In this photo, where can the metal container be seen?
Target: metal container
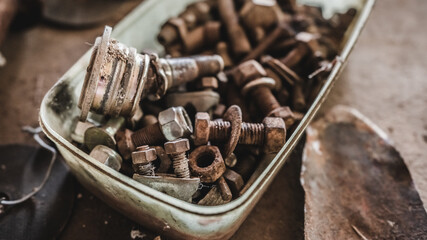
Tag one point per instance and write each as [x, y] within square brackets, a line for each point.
[158, 211]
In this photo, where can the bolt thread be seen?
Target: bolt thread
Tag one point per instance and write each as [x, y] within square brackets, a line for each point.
[150, 135]
[251, 133]
[146, 169]
[219, 130]
[180, 165]
[265, 99]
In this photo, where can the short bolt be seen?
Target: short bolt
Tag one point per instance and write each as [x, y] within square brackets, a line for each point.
[103, 135]
[142, 160]
[177, 149]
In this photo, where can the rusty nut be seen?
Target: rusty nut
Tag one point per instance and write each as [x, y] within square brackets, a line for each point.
[275, 134]
[206, 162]
[144, 155]
[201, 128]
[247, 71]
[177, 146]
[175, 123]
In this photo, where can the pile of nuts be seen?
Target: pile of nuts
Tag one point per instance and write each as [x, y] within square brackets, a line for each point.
[193, 127]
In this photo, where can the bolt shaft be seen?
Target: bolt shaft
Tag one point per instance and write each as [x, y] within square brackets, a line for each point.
[180, 165]
[146, 169]
[251, 133]
[265, 99]
[150, 135]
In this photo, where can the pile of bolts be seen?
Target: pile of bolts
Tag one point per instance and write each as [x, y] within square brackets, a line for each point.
[237, 76]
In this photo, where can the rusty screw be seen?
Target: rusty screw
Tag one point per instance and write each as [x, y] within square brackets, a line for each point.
[173, 123]
[142, 160]
[271, 133]
[250, 75]
[176, 149]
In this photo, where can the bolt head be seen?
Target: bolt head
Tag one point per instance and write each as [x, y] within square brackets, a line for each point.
[79, 131]
[248, 71]
[260, 13]
[201, 128]
[284, 113]
[107, 156]
[275, 134]
[175, 123]
[143, 155]
[177, 146]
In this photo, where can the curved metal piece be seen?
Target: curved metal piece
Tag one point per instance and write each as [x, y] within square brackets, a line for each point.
[234, 116]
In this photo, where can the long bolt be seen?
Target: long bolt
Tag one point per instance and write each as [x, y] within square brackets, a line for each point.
[177, 149]
[251, 133]
[264, 99]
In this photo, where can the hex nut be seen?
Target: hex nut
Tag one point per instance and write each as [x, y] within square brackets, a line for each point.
[234, 180]
[175, 123]
[143, 155]
[107, 156]
[201, 128]
[247, 71]
[206, 162]
[275, 134]
[177, 146]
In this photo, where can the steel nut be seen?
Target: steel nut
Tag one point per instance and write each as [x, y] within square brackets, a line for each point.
[247, 71]
[201, 128]
[175, 123]
[275, 134]
[107, 156]
[206, 162]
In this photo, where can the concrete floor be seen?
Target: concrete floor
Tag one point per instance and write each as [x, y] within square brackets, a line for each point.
[384, 79]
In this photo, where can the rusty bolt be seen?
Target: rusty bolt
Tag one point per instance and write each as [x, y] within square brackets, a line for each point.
[142, 160]
[271, 134]
[238, 39]
[103, 135]
[79, 130]
[207, 163]
[176, 149]
[307, 43]
[260, 13]
[173, 123]
[251, 75]
[196, 14]
[202, 37]
[224, 189]
[107, 156]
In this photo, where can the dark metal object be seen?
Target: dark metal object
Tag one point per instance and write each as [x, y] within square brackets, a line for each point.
[177, 149]
[207, 163]
[355, 181]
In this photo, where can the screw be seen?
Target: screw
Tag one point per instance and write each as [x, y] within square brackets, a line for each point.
[271, 133]
[176, 149]
[118, 77]
[251, 75]
[142, 160]
[103, 135]
[173, 123]
[107, 156]
[238, 39]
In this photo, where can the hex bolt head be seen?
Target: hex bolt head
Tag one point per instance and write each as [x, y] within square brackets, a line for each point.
[201, 128]
[247, 71]
[176, 149]
[274, 134]
[107, 156]
[175, 123]
[103, 135]
[79, 131]
[144, 155]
